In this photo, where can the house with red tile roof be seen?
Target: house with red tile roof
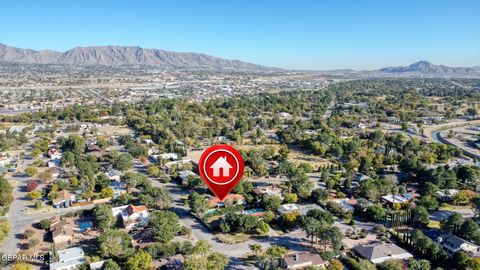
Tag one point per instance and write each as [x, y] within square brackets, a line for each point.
[231, 199]
[132, 216]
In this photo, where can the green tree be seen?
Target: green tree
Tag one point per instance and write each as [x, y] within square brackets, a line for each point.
[420, 216]
[217, 261]
[4, 229]
[202, 247]
[272, 256]
[271, 202]
[34, 195]
[44, 224]
[419, 265]
[140, 260]
[429, 202]
[165, 224]
[157, 197]
[106, 192]
[123, 162]
[453, 222]
[114, 244]
[74, 144]
[290, 198]
[470, 230]
[335, 264]
[198, 203]
[460, 260]
[263, 226]
[375, 212]
[110, 264]
[103, 217]
[133, 179]
[255, 248]
[30, 171]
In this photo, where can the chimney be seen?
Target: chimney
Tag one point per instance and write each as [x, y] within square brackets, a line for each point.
[296, 257]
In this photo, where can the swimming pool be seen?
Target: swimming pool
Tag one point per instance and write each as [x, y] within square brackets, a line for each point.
[253, 211]
[85, 225]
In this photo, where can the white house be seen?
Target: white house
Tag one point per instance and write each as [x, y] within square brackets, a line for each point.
[4, 160]
[70, 258]
[398, 198]
[132, 216]
[96, 265]
[221, 164]
[165, 156]
[114, 175]
[287, 208]
[447, 195]
[54, 154]
[118, 188]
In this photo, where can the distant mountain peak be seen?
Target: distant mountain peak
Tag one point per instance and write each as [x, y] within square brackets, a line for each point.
[421, 64]
[426, 69]
[126, 56]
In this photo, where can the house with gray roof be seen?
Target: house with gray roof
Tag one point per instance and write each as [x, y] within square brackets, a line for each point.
[378, 252]
[451, 243]
[70, 258]
[301, 260]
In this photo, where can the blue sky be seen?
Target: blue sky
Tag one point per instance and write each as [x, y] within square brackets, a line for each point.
[297, 34]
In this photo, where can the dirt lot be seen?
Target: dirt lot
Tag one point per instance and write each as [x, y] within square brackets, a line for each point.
[114, 130]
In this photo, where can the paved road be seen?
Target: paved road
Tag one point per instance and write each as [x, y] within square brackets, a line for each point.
[291, 240]
[17, 216]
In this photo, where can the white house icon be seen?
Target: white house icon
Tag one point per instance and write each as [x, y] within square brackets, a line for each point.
[221, 163]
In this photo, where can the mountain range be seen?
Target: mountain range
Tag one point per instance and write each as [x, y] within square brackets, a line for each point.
[136, 56]
[424, 68]
[125, 56]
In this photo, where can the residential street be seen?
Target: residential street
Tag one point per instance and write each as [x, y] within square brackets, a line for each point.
[17, 215]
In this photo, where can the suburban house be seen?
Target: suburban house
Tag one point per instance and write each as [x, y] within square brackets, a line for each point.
[346, 204]
[118, 188]
[287, 208]
[132, 216]
[70, 258]
[398, 198]
[153, 150]
[267, 190]
[378, 252]
[5, 160]
[303, 209]
[359, 178]
[301, 260]
[451, 243]
[96, 265]
[62, 230]
[447, 195]
[177, 163]
[166, 156]
[175, 262]
[64, 199]
[94, 150]
[114, 175]
[54, 154]
[54, 163]
[185, 175]
[231, 199]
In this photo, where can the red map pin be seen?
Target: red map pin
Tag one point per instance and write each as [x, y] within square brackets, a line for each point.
[221, 168]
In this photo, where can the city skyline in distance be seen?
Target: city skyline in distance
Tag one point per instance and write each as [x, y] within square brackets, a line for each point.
[305, 36]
